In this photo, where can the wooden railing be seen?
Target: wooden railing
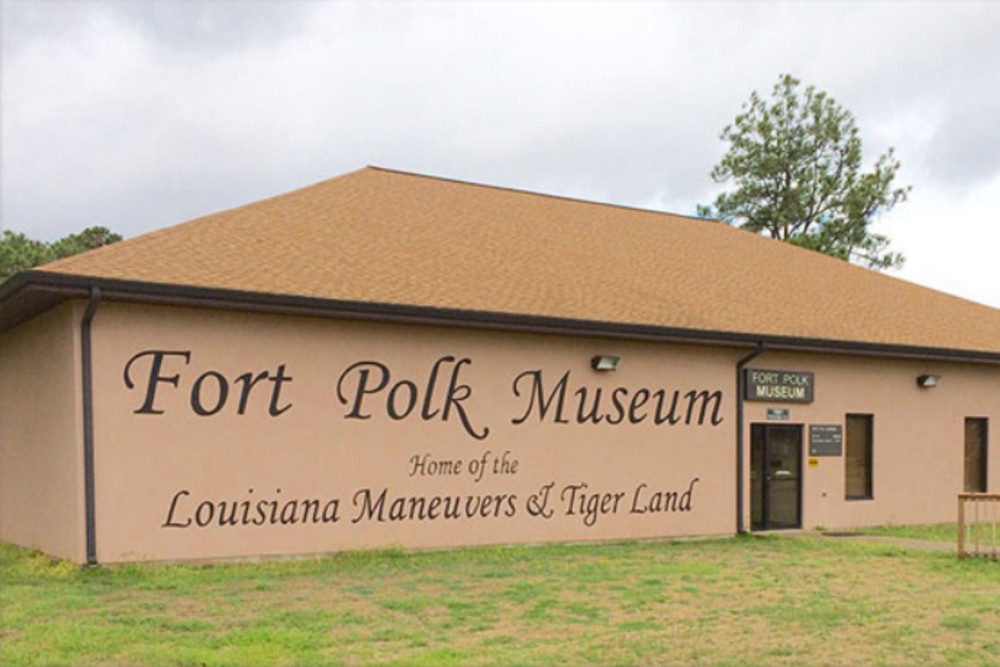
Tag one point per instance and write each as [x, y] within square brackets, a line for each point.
[979, 525]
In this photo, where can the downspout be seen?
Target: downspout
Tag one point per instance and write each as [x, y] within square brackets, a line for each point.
[87, 369]
[740, 391]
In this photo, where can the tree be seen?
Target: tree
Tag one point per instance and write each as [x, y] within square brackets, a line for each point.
[89, 239]
[18, 252]
[796, 163]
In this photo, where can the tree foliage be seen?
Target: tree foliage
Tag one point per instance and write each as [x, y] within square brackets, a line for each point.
[795, 161]
[18, 252]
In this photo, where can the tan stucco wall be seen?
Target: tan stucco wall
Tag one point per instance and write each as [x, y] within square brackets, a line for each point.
[159, 463]
[313, 451]
[41, 483]
[918, 435]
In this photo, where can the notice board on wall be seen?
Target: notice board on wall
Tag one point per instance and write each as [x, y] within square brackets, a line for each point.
[826, 440]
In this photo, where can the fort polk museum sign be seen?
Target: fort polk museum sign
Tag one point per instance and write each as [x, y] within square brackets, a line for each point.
[448, 447]
[779, 386]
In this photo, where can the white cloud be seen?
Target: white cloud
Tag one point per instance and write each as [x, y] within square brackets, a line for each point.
[950, 240]
[137, 115]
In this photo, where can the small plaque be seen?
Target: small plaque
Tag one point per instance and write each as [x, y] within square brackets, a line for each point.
[777, 414]
[826, 440]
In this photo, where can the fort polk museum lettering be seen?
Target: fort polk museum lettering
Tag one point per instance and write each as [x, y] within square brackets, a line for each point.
[370, 391]
[779, 386]
[367, 387]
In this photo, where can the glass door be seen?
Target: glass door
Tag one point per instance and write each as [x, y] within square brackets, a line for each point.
[775, 476]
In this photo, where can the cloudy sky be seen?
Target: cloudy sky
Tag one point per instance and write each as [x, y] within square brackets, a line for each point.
[143, 113]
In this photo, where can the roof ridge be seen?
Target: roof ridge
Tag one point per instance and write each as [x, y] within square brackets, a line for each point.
[544, 195]
[172, 228]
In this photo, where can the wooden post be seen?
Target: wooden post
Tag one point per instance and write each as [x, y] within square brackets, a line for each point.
[993, 518]
[977, 527]
[961, 526]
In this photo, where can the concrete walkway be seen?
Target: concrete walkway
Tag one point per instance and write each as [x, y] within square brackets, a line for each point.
[860, 536]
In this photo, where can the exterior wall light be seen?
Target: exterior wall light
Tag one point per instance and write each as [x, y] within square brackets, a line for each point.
[604, 362]
[928, 381]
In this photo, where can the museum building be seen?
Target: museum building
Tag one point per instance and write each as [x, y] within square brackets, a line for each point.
[389, 359]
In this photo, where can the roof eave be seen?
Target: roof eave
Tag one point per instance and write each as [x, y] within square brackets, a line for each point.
[29, 293]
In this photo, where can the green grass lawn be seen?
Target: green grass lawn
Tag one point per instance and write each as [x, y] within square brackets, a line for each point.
[743, 601]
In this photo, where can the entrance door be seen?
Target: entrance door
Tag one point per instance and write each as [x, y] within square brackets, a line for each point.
[775, 476]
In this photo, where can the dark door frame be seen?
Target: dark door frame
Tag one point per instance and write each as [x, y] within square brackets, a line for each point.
[759, 435]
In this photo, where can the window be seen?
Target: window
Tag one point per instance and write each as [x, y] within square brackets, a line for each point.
[975, 455]
[858, 457]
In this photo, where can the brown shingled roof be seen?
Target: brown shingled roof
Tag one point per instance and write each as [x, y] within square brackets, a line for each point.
[388, 237]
